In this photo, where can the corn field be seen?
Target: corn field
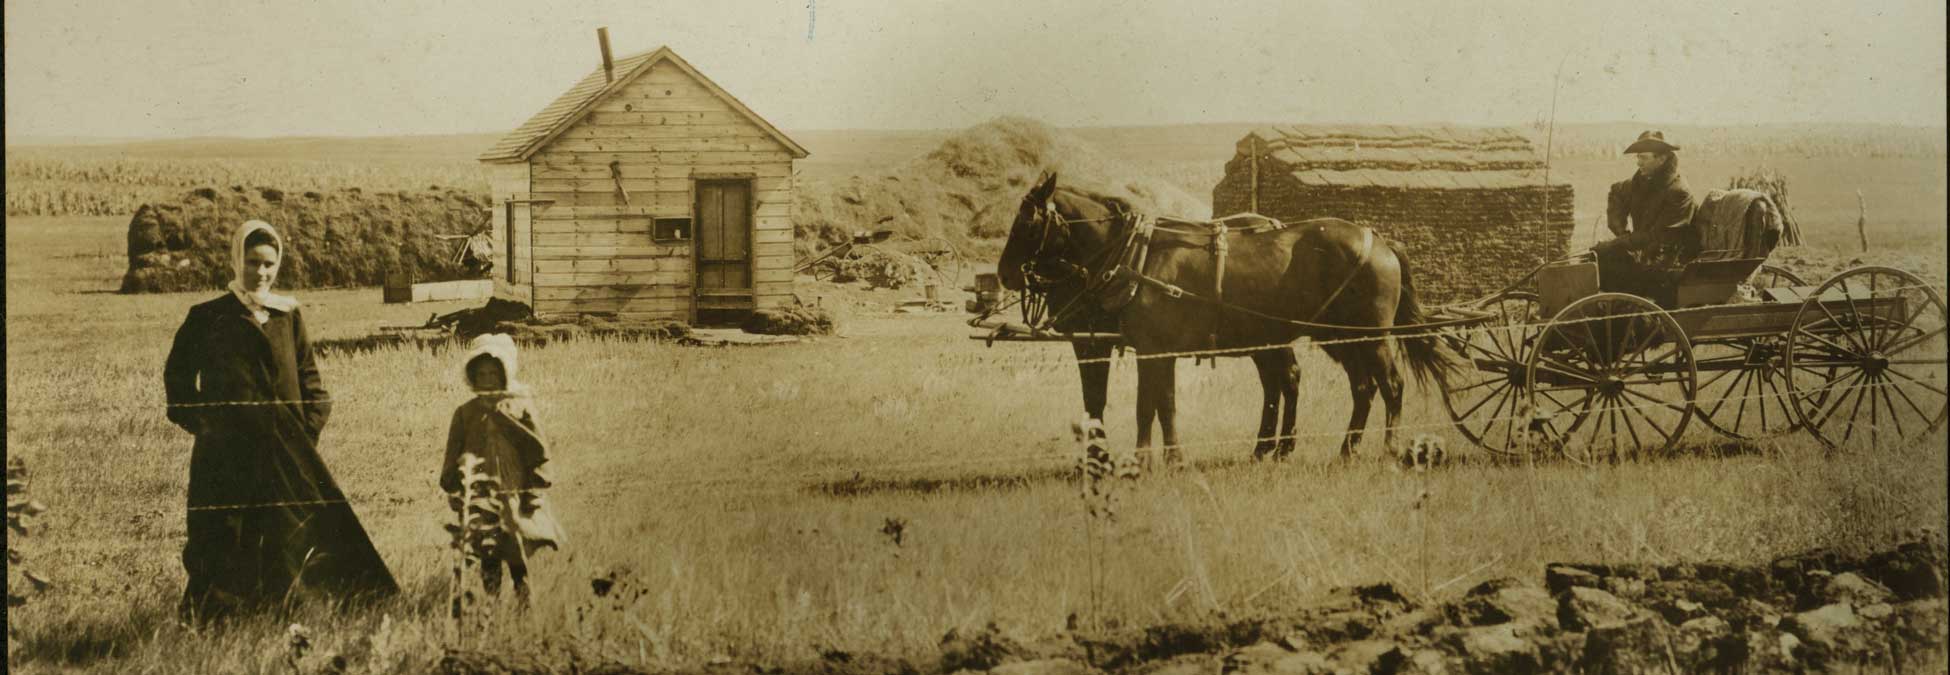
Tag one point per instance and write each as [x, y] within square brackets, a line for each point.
[48, 185]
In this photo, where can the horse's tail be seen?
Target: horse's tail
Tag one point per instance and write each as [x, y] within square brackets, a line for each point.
[1427, 356]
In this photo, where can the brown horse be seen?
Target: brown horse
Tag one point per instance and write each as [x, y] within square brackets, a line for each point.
[1324, 279]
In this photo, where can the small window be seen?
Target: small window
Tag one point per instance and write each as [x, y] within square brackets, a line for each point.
[672, 228]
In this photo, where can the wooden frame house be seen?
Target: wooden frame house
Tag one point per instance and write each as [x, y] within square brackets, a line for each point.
[647, 192]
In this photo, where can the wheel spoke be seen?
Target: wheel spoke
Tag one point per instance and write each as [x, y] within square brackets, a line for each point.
[1480, 385]
[1910, 321]
[1839, 350]
[1894, 415]
[1849, 431]
[1921, 383]
[1912, 402]
[1773, 395]
[1628, 344]
[1838, 322]
[1839, 400]
[1655, 426]
[1493, 356]
[1662, 359]
[1875, 320]
[1510, 400]
[1486, 399]
[1649, 397]
[1898, 349]
[1741, 416]
[1559, 367]
[1632, 429]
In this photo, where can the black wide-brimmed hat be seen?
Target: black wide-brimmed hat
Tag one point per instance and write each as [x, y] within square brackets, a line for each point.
[1651, 141]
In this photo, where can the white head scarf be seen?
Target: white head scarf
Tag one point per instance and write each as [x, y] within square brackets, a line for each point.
[499, 347]
[258, 302]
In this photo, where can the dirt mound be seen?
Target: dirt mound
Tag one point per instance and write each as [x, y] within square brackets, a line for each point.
[510, 318]
[790, 321]
[968, 187]
[1819, 611]
[332, 239]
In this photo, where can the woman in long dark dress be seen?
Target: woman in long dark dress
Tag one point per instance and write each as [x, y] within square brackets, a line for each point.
[266, 521]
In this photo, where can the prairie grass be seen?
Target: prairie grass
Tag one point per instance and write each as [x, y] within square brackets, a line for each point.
[739, 497]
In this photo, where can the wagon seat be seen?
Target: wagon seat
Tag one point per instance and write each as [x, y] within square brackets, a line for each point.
[1737, 230]
[1704, 262]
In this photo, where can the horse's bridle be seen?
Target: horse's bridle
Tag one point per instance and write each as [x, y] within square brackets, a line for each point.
[1047, 219]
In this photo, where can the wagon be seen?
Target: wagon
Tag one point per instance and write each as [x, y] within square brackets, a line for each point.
[1747, 349]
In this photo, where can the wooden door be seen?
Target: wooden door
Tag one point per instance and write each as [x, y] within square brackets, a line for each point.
[724, 244]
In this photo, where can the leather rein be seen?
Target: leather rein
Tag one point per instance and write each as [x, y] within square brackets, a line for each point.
[1112, 278]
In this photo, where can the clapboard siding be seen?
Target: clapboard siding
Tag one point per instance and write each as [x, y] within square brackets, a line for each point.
[583, 167]
[642, 289]
[653, 137]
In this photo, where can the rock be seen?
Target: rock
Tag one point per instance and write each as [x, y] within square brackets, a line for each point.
[1851, 588]
[1705, 627]
[1042, 667]
[1911, 572]
[1677, 611]
[1583, 609]
[1561, 578]
[1189, 664]
[981, 649]
[1497, 649]
[1369, 656]
[1708, 644]
[1831, 633]
[1625, 587]
[1876, 612]
[1496, 602]
[1268, 657]
[1635, 646]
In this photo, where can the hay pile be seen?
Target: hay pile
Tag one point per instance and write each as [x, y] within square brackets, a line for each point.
[333, 239]
[969, 186]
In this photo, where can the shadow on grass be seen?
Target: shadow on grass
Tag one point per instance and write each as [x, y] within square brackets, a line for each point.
[861, 485]
[993, 481]
[76, 639]
[81, 636]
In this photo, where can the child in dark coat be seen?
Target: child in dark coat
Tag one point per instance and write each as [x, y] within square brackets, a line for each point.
[498, 428]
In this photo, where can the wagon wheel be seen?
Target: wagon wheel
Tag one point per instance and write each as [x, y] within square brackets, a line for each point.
[1485, 397]
[1865, 360]
[1771, 276]
[946, 261]
[1743, 394]
[1612, 373]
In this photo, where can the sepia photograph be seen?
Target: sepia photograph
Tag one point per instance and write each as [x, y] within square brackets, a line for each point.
[847, 337]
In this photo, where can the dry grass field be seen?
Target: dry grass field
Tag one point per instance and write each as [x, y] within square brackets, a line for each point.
[744, 496]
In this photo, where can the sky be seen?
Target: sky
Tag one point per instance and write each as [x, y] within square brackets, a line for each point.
[184, 68]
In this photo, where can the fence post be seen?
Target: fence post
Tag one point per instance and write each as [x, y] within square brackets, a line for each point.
[1862, 220]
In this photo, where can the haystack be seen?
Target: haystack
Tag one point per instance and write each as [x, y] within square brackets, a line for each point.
[333, 239]
[969, 186]
[1469, 205]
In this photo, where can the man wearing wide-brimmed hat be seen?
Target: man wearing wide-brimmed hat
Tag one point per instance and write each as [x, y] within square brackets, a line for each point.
[1649, 215]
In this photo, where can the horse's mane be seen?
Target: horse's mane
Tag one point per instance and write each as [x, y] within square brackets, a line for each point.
[1117, 205]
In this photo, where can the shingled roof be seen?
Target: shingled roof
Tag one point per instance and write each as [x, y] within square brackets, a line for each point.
[573, 105]
[1411, 157]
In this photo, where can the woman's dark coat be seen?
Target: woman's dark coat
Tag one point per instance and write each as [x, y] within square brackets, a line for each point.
[266, 519]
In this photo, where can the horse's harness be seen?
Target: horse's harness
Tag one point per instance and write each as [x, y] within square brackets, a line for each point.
[1121, 268]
